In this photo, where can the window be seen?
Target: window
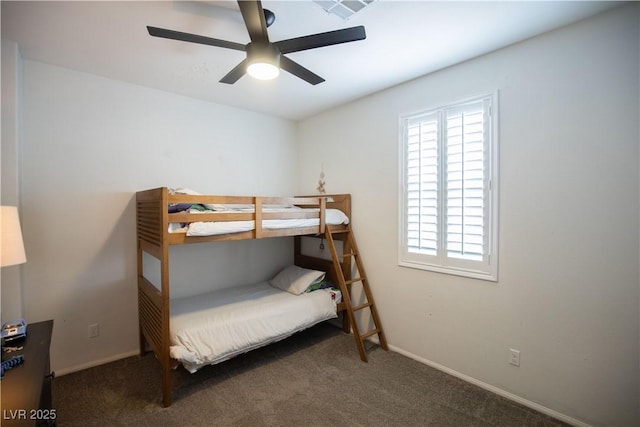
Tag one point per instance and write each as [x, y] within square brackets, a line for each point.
[448, 207]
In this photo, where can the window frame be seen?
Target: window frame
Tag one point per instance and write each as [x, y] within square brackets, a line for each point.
[441, 262]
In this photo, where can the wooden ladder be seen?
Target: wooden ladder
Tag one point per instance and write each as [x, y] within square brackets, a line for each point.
[342, 267]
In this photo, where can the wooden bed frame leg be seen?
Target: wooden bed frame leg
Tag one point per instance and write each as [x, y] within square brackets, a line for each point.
[166, 385]
[142, 345]
[346, 326]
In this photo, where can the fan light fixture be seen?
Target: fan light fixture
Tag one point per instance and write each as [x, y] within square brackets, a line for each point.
[265, 58]
[263, 61]
[263, 71]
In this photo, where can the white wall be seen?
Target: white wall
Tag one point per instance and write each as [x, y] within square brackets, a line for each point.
[568, 288]
[89, 144]
[11, 277]
[568, 294]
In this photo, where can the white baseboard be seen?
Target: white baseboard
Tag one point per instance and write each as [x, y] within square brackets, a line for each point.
[93, 363]
[540, 408]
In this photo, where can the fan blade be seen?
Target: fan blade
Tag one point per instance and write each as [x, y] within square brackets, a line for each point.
[235, 74]
[299, 71]
[193, 38]
[253, 16]
[321, 39]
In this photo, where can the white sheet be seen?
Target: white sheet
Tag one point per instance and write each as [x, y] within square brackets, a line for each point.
[332, 217]
[210, 328]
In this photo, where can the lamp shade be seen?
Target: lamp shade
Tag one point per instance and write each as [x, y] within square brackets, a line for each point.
[12, 250]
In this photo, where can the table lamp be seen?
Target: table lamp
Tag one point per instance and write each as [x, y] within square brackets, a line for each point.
[12, 249]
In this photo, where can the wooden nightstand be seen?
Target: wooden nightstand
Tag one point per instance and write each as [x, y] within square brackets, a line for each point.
[26, 388]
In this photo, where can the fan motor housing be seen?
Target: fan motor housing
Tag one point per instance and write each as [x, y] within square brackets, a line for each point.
[260, 52]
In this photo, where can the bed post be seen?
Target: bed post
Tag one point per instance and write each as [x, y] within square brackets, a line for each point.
[165, 359]
[343, 202]
[153, 303]
[140, 275]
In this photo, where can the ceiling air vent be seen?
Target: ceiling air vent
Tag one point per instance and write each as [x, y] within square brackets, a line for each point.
[345, 9]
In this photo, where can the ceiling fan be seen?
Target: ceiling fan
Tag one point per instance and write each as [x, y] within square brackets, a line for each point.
[264, 58]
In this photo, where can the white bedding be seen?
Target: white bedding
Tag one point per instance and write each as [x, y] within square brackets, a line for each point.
[207, 329]
[332, 217]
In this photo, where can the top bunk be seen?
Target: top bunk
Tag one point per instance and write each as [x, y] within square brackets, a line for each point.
[172, 217]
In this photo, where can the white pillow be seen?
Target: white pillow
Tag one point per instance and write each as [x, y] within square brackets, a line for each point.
[296, 280]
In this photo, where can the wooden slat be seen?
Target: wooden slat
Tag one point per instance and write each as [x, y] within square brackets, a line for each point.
[209, 200]
[149, 218]
[151, 249]
[150, 313]
[182, 238]
[310, 201]
[224, 216]
[290, 232]
[291, 215]
[211, 216]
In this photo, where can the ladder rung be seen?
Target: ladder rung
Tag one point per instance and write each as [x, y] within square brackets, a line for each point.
[358, 279]
[346, 256]
[361, 306]
[338, 230]
[370, 333]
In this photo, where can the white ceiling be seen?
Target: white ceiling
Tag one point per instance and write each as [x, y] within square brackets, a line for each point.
[405, 40]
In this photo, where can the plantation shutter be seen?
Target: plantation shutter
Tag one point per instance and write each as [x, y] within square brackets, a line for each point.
[422, 184]
[465, 199]
[449, 203]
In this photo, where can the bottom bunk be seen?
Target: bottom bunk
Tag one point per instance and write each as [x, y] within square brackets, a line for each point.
[216, 326]
[210, 328]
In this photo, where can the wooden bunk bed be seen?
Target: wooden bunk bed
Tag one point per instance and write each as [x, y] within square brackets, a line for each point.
[154, 221]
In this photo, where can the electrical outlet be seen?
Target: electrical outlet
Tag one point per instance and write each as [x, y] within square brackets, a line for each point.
[514, 357]
[93, 330]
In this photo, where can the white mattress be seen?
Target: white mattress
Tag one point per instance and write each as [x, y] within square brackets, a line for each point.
[210, 328]
[332, 217]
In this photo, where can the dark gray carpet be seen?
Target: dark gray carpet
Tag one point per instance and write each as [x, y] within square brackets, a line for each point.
[314, 378]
